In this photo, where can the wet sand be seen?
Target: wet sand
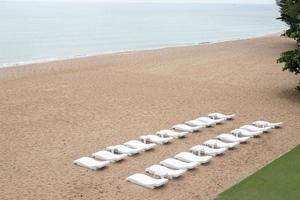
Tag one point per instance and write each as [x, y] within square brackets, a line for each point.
[54, 113]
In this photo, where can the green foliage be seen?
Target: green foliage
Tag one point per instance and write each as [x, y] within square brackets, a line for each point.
[290, 14]
[289, 11]
[294, 33]
[286, 7]
[291, 60]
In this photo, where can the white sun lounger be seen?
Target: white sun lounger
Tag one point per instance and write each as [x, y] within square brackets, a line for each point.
[196, 123]
[165, 172]
[135, 144]
[208, 123]
[210, 120]
[221, 116]
[214, 143]
[177, 164]
[109, 156]
[244, 133]
[156, 139]
[90, 163]
[146, 181]
[186, 128]
[171, 133]
[124, 150]
[201, 149]
[263, 124]
[255, 128]
[226, 137]
[190, 157]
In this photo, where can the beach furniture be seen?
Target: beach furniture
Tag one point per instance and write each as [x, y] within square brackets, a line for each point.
[146, 181]
[165, 172]
[210, 120]
[202, 149]
[255, 128]
[90, 163]
[244, 133]
[214, 143]
[186, 128]
[196, 123]
[124, 150]
[177, 164]
[156, 139]
[190, 157]
[221, 116]
[263, 124]
[135, 144]
[109, 156]
[226, 137]
[171, 133]
[207, 123]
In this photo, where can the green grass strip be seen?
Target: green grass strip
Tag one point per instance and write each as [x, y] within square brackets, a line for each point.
[279, 180]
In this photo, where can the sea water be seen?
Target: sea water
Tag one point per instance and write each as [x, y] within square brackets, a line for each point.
[35, 31]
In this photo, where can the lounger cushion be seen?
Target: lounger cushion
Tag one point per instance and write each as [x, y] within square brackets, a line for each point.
[207, 150]
[196, 123]
[262, 124]
[209, 120]
[171, 133]
[190, 157]
[231, 138]
[146, 181]
[165, 172]
[254, 128]
[156, 139]
[221, 116]
[184, 127]
[90, 163]
[177, 164]
[109, 156]
[244, 133]
[124, 150]
[139, 145]
[214, 143]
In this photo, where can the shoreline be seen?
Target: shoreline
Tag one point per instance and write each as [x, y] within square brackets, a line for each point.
[54, 59]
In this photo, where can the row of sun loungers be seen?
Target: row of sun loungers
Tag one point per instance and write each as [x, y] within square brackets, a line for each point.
[174, 167]
[119, 152]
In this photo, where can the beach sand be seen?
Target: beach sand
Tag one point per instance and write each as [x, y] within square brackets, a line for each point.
[54, 113]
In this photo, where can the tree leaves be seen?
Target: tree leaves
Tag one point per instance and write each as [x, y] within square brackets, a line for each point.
[290, 14]
[291, 60]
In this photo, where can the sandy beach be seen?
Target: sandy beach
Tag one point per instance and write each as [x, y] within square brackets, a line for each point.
[54, 113]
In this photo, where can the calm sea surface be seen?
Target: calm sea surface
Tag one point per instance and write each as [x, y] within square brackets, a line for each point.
[32, 31]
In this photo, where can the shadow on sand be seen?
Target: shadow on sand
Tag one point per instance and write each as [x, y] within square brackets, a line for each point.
[290, 94]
